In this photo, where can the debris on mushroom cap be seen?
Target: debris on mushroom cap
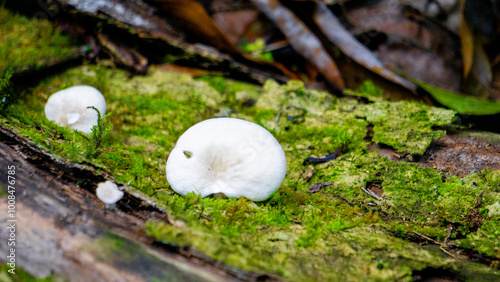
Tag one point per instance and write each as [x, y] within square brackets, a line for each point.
[227, 155]
[108, 193]
[69, 107]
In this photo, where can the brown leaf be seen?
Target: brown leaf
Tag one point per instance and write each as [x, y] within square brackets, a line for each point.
[190, 16]
[316, 187]
[234, 24]
[467, 40]
[404, 38]
[340, 37]
[302, 40]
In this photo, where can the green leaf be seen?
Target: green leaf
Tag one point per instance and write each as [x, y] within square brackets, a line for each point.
[461, 103]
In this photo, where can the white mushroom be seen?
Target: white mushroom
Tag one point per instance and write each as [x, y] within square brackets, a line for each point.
[108, 193]
[69, 107]
[227, 155]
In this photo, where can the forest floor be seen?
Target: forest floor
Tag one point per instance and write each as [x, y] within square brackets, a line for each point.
[412, 195]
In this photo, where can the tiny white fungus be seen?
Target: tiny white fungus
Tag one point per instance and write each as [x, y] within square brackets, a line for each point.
[229, 156]
[69, 107]
[108, 193]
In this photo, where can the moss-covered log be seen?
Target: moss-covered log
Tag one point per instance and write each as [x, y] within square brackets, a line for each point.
[378, 220]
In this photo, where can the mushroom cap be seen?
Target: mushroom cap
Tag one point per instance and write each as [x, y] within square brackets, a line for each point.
[227, 155]
[108, 192]
[68, 107]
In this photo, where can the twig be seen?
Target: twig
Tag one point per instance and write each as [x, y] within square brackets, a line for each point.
[442, 246]
[278, 116]
[323, 159]
[427, 238]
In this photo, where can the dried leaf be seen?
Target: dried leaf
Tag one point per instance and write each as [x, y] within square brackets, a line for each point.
[338, 35]
[467, 40]
[234, 24]
[415, 44]
[302, 40]
[194, 20]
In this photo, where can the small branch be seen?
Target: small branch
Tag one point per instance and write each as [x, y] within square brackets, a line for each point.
[324, 159]
[427, 238]
[442, 246]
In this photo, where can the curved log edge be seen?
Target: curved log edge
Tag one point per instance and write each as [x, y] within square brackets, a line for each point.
[63, 228]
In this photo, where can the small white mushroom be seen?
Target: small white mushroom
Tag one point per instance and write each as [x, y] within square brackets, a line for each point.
[69, 107]
[108, 193]
[229, 156]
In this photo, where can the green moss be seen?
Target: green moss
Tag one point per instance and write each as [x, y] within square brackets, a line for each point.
[485, 240]
[21, 275]
[406, 126]
[25, 40]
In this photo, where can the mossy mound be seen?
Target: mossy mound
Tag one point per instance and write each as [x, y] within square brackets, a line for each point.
[25, 41]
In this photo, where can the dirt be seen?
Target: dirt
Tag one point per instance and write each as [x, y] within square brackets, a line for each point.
[460, 156]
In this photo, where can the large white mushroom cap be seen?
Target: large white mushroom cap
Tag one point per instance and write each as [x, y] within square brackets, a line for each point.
[108, 193]
[69, 107]
[227, 155]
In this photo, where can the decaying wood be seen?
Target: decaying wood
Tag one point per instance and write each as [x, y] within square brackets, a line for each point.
[138, 21]
[61, 226]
